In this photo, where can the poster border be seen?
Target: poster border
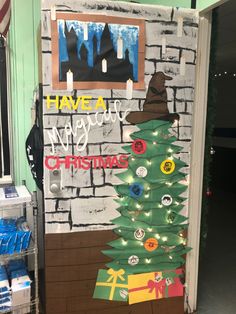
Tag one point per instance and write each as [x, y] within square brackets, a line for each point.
[57, 85]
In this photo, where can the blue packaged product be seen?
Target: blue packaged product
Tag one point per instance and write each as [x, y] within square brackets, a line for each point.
[18, 273]
[5, 308]
[8, 242]
[26, 240]
[15, 235]
[5, 300]
[7, 225]
[4, 295]
[14, 265]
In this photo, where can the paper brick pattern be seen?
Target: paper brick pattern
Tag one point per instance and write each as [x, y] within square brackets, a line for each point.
[86, 201]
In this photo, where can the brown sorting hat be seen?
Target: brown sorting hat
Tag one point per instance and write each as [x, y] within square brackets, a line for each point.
[155, 105]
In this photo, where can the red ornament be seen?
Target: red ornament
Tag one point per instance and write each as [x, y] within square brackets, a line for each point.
[209, 192]
[139, 146]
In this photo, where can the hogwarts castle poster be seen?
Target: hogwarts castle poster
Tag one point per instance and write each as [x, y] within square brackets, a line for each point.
[100, 51]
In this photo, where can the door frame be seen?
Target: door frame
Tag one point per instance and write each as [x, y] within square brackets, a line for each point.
[197, 159]
[197, 154]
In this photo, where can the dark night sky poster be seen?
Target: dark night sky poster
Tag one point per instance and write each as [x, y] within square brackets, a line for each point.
[84, 57]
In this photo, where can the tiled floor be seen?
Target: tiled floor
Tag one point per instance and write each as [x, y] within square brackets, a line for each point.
[217, 280]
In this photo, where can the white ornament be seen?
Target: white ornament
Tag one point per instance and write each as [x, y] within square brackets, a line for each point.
[141, 172]
[168, 282]
[166, 200]
[139, 234]
[123, 293]
[133, 260]
[158, 277]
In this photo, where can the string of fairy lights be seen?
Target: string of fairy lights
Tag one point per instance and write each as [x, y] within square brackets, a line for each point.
[225, 74]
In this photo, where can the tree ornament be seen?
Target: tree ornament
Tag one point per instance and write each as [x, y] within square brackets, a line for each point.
[139, 146]
[136, 190]
[139, 234]
[141, 172]
[151, 244]
[133, 260]
[166, 200]
[171, 217]
[167, 166]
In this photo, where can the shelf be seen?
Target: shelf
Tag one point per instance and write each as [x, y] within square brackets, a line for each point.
[7, 257]
[24, 197]
[32, 305]
[22, 202]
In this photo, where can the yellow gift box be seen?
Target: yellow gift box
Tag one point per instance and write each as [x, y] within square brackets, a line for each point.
[146, 287]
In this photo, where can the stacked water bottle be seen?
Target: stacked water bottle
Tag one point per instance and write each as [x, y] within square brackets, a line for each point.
[15, 235]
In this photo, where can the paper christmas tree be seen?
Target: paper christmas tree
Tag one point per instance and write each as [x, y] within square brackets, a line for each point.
[150, 226]
[151, 230]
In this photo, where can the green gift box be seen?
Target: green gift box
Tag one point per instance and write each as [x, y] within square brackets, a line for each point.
[111, 285]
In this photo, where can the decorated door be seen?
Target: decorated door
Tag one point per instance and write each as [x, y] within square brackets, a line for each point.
[118, 91]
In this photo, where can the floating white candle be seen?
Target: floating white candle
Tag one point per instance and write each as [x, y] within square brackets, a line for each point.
[69, 80]
[129, 89]
[85, 31]
[119, 48]
[53, 13]
[163, 43]
[104, 65]
[182, 65]
[180, 27]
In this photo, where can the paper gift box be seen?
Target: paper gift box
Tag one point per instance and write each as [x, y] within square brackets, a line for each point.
[176, 288]
[146, 287]
[154, 286]
[111, 285]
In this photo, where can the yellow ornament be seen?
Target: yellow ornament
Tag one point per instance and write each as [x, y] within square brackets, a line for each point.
[167, 166]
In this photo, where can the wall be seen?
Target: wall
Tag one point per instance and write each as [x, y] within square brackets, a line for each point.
[24, 78]
[203, 4]
[171, 3]
[200, 4]
[97, 185]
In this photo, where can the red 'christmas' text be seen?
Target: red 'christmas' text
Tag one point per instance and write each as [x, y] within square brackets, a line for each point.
[86, 162]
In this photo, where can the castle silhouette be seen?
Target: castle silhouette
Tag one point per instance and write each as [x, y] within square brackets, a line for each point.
[118, 70]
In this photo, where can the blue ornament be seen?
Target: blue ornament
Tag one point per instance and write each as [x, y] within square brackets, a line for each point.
[136, 190]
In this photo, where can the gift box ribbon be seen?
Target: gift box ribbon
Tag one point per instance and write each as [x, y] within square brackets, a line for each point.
[114, 276]
[151, 285]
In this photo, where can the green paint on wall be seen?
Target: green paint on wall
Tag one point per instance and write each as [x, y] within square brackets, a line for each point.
[24, 78]
[202, 4]
[170, 3]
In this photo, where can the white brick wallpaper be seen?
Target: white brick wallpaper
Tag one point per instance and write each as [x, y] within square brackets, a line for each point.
[86, 201]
